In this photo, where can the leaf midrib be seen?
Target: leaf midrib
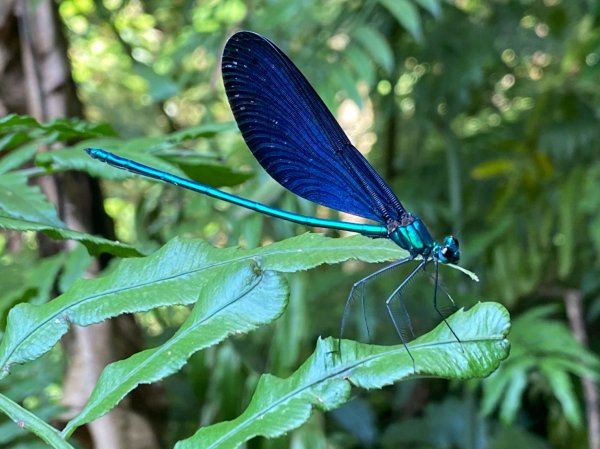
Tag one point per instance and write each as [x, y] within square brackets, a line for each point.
[339, 372]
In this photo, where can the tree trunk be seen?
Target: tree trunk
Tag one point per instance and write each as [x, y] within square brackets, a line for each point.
[35, 79]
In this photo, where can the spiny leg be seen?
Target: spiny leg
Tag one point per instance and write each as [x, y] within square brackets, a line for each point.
[447, 293]
[364, 311]
[361, 286]
[391, 314]
[435, 306]
[399, 299]
[407, 316]
[441, 285]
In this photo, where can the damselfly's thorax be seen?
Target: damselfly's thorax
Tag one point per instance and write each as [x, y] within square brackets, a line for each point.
[411, 234]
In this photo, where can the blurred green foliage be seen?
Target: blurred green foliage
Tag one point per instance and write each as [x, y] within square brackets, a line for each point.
[481, 114]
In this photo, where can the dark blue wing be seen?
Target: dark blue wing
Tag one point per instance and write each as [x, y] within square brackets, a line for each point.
[293, 135]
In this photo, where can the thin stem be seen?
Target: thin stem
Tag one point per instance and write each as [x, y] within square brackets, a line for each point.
[27, 420]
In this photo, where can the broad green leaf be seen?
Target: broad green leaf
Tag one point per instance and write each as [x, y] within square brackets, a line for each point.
[72, 128]
[161, 87]
[558, 340]
[291, 329]
[27, 280]
[176, 274]
[77, 262]
[57, 130]
[20, 200]
[325, 379]
[311, 250]
[361, 63]
[512, 397]
[433, 6]
[347, 82]
[12, 140]
[545, 347]
[375, 45]
[211, 174]
[238, 302]
[11, 121]
[496, 386]
[94, 244]
[23, 207]
[407, 14]
[17, 157]
[158, 152]
[492, 168]
[562, 386]
[41, 276]
[77, 159]
[205, 130]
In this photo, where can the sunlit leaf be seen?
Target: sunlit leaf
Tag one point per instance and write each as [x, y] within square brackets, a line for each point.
[325, 379]
[240, 299]
[492, 169]
[173, 275]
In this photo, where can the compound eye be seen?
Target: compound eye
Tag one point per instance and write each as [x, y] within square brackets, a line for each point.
[447, 253]
[451, 242]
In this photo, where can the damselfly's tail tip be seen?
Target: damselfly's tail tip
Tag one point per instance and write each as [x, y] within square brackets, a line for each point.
[96, 153]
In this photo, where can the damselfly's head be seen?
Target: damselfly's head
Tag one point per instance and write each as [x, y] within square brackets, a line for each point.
[448, 251]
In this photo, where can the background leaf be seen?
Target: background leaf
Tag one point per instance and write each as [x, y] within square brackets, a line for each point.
[407, 14]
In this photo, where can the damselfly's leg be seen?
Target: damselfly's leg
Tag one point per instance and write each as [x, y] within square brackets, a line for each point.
[364, 312]
[391, 313]
[435, 306]
[359, 287]
[407, 317]
[441, 285]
